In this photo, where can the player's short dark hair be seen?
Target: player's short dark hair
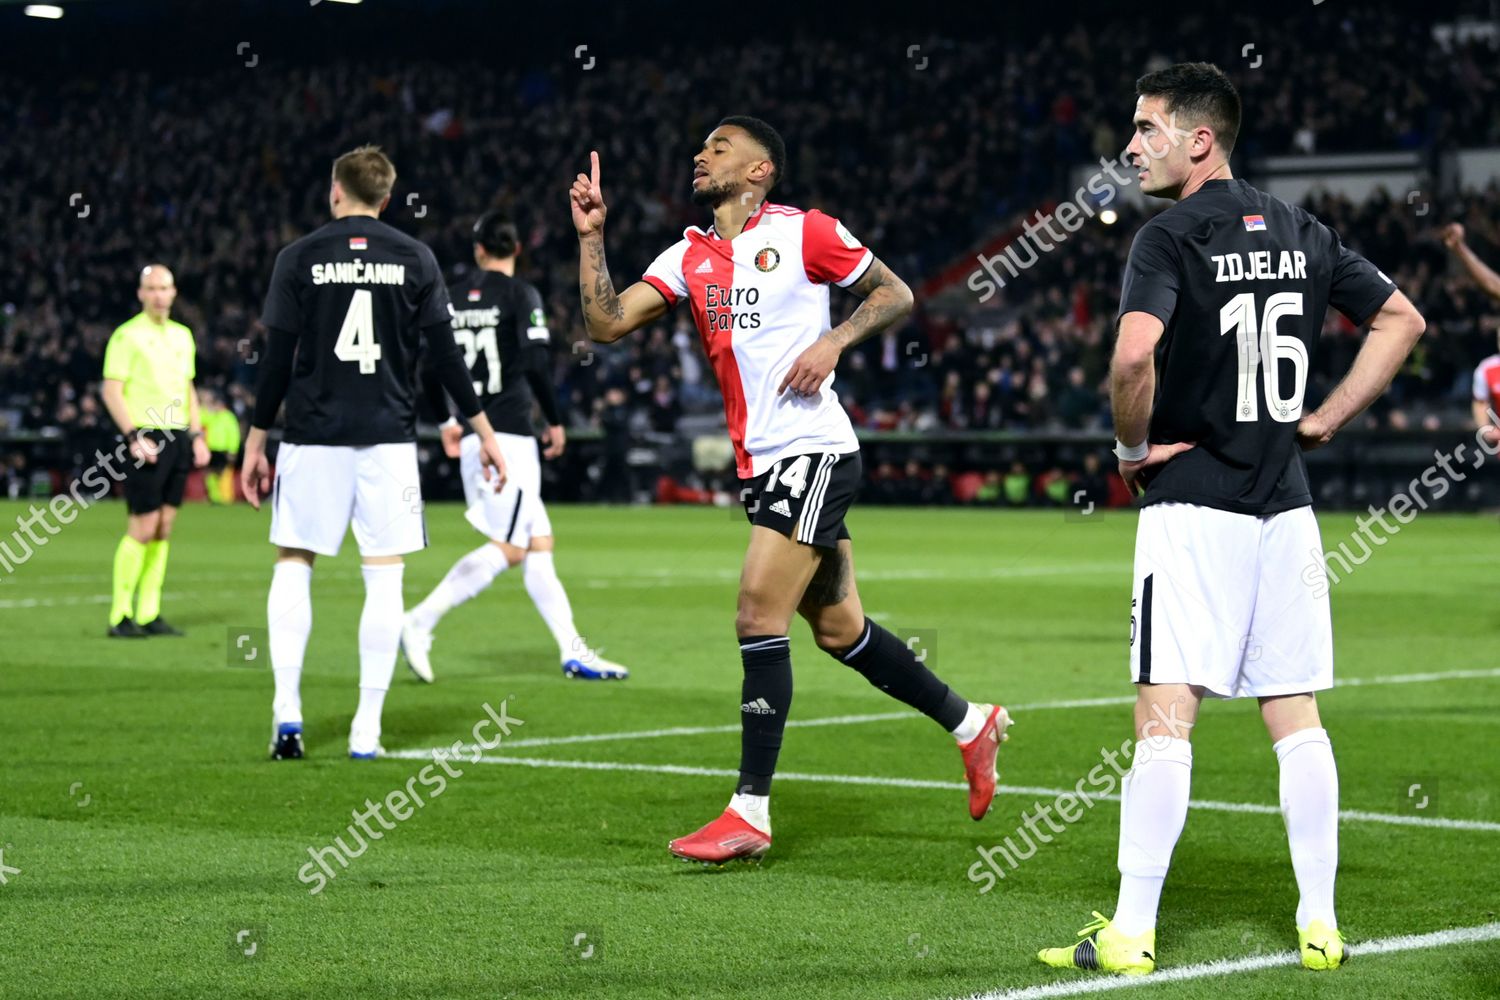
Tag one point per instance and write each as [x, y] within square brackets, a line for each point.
[1201, 93]
[366, 174]
[496, 232]
[770, 140]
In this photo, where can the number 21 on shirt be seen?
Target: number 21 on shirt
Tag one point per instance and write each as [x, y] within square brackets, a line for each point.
[1261, 347]
[357, 336]
[473, 342]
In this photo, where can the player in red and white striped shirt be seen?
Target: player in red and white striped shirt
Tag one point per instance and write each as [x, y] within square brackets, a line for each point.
[1487, 375]
[757, 284]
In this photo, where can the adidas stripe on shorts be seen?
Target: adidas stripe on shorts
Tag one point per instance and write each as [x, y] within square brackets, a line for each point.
[1235, 603]
[515, 514]
[805, 497]
[322, 489]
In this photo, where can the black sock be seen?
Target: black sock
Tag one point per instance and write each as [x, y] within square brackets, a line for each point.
[887, 663]
[767, 694]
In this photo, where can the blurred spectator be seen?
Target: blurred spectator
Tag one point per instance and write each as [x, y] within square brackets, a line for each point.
[1091, 488]
[1017, 485]
[221, 432]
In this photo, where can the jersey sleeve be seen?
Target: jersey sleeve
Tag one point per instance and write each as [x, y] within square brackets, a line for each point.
[1481, 387]
[534, 342]
[830, 253]
[531, 318]
[433, 304]
[665, 273]
[1151, 280]
[118, 355]
[192, 353]
[282, 311]
[1358, 288]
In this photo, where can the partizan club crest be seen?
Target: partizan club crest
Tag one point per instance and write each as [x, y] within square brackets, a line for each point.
[767, 259]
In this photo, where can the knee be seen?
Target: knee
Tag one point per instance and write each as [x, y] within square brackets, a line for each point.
[749, 621]
[145, 527]
[755, 618]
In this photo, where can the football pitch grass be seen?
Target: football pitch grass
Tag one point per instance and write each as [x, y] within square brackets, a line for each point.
[151, 850]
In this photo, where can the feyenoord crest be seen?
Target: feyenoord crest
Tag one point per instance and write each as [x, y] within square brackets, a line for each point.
[767, 259]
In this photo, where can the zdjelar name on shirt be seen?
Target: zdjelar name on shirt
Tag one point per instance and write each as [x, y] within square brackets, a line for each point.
[1290, 264]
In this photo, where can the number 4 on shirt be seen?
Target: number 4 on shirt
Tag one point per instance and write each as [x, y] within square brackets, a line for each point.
[357, 336]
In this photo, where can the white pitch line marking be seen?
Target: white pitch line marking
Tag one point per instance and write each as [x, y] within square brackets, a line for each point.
[654, 579]
[646, 734]
[1226, 966]
[1038, 706]
[1348, 815]
[79, 600]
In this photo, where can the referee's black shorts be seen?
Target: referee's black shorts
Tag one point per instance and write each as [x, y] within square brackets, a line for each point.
[160, 483]
[805, 497]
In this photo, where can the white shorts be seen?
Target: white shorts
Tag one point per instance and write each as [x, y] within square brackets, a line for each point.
[1220, 600]
[321, 488]
[515, 514]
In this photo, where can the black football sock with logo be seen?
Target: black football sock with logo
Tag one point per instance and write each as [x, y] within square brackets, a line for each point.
[767, 694]
[886, 662]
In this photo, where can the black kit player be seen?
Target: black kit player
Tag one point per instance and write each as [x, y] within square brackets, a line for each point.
[348, 306]
[501, 325]
[1221, 309]
[757, 284]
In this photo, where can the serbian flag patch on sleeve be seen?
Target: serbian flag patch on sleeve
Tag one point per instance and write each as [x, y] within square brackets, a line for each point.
[1254, 223]
[358, 243]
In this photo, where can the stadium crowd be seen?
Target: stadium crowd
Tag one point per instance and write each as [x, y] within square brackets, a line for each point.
[924, 155]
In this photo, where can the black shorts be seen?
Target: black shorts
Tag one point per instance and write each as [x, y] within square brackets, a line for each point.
[805, 497]
[161, 483]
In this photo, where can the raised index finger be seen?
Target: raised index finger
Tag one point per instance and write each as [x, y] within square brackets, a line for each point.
[594, 168]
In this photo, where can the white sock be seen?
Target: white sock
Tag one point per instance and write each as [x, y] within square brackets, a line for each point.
[288, 624]
[551, 600]
[1153, 808]
[1310, 806]
[972, 724]
[753, 809]
[468, 577]
[379, 636]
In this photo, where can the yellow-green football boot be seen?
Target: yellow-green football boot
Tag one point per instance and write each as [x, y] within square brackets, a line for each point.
[1105, 949]
[1321, 946]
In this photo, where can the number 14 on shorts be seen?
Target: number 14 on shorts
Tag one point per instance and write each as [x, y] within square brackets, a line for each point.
[794, 478]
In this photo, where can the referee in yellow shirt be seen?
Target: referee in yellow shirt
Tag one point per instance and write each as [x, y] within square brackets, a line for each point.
[149, 366]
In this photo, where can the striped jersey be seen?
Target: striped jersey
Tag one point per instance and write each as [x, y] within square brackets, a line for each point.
[1487, 382]
[759, 300]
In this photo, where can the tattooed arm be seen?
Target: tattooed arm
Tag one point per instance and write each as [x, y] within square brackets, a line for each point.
[607, 316]
[887, 301]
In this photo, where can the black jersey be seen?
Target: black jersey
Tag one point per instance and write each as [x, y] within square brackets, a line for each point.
[499, 323]
[355, 295]
[1242, 281]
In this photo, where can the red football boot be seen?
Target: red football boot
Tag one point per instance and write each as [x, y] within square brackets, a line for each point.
[979, 761]
[728, 838]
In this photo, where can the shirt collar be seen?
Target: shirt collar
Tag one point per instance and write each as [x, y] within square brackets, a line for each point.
[750, 223]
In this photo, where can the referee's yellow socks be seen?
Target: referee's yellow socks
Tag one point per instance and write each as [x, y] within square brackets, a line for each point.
[153, 573]
[130, 557]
